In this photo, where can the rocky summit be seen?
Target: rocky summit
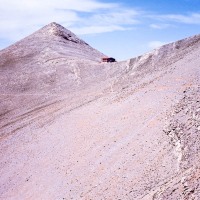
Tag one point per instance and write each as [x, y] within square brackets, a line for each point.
[72, 127]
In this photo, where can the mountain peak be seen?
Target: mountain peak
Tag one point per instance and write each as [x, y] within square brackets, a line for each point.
[54, 39]
[54, 24]
[56, 30]
[64, 114]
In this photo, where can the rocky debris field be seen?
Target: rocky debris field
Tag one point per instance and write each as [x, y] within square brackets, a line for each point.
[72, 127]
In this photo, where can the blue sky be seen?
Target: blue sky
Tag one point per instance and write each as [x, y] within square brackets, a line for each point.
[121, 29]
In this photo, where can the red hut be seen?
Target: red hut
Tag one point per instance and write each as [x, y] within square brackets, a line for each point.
[108, 60]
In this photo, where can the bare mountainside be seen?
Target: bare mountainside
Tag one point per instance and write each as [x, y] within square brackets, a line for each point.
[74, 128]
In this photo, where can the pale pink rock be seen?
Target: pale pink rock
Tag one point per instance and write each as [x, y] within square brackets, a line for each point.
[72, 127]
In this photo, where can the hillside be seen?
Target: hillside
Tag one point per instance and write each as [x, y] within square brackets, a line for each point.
[72, 127]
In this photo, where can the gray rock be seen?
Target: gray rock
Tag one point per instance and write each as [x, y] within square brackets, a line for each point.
[72, 127]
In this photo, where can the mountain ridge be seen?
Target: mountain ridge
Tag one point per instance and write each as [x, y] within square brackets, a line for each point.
[72, 127]
[57, 38]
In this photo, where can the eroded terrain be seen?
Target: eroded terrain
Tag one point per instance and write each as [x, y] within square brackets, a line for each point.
[72, 127]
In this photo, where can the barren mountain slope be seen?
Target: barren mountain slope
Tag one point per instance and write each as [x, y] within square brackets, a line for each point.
[74, 128]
